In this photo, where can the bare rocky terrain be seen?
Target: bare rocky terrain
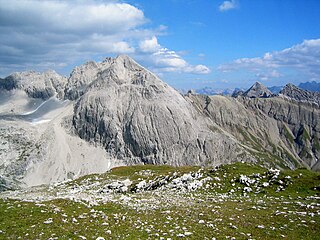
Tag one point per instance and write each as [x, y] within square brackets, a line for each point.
[116, 112]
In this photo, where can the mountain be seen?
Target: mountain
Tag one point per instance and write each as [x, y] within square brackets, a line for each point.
[301, 95]
[214, 91]
[138, 118]
[118, 113]
[110, 113]
[273, 129]
[310, 86]
[36, 85]
[257, 90]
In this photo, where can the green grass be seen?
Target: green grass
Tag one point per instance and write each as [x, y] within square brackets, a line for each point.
[316, 143]
[288, 134]
[212, 211]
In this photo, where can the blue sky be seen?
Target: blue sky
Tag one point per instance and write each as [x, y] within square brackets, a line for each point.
[188, 43]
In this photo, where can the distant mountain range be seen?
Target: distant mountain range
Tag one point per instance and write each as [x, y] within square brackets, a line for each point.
[310, 86]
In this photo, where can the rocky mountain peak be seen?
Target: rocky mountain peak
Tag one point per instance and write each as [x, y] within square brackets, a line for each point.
[35, 84]
[139, 118]
[257, 90]
[299, 94]
[112, 68]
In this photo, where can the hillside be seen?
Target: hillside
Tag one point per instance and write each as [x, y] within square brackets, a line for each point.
[237, 201]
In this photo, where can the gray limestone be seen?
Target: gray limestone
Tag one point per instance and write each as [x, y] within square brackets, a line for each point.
[299, 94]
[36, 85]
[140, 119]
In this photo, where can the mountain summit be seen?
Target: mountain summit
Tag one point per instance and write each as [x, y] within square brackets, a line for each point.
[139, 118]
[257, 90]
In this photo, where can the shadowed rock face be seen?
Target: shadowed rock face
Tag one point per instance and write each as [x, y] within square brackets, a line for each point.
[36, 85]
[139, 118]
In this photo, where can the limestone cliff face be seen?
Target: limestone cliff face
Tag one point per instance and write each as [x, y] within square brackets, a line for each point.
[80, 78]
[139, 118]
[36, 85]
[298, 123]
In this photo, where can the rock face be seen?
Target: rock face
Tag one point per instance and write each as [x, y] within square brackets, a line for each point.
[139, 118]
[257, 91]
[276, 129]
[36, 85]
[80, 78]
[299, 94]
[294, 115]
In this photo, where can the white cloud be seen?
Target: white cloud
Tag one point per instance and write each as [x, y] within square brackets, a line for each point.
[41, 34]
[62, 16]
[165, 60]
[228, 5]
[149, 45]
[303, 57]
[266, 76]
[50, 33]
[199, 69]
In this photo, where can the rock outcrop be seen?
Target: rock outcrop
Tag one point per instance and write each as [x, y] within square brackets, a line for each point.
[36, 85]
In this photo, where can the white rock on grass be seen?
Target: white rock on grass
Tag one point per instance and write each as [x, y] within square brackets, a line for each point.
[246, 180]
[141, 185]
[48, 221]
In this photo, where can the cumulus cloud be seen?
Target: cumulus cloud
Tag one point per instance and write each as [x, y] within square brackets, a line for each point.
[168, 61]
[66, 16]
[150, 45]
[303, 57]
[56, 33]
[42, 34]
[228, 5]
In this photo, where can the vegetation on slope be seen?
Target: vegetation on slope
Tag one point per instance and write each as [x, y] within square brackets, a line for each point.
[236, 201]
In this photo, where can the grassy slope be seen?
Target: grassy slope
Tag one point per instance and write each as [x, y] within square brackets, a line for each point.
[213, 211]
